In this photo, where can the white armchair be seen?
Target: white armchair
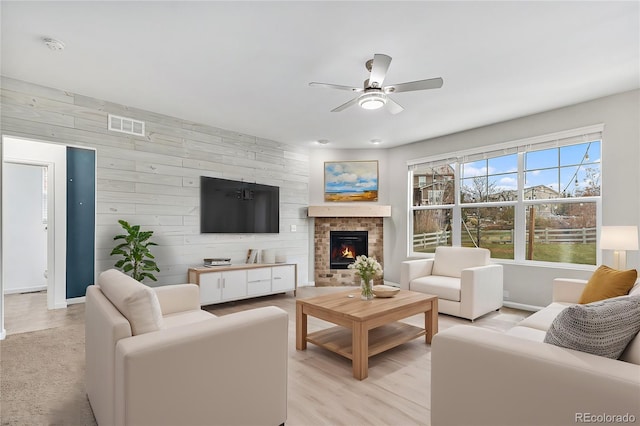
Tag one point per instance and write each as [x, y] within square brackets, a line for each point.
[153, 357]
[467, 284]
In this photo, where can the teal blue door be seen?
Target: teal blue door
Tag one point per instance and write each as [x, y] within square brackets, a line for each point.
[81, 220]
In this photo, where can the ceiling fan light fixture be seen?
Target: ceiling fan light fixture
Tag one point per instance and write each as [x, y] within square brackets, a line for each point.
[372, 100]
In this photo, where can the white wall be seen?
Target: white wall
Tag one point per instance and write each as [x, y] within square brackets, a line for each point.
[526, 284]
[26, 261]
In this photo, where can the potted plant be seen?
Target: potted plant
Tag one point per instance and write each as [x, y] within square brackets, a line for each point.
[136, 257]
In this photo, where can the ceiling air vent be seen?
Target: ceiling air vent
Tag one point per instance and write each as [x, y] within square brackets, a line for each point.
[126, 125]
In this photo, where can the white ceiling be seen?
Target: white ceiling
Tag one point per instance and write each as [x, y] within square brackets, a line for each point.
[245, 66]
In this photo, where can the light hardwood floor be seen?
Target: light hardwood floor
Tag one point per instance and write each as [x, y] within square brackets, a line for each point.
[25, 312]
[321, 388]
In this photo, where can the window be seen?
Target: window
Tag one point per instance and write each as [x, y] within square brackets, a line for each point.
[533, 200]
[433, 200]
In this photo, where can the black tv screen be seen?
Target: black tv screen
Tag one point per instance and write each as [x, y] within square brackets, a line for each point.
[233, 207]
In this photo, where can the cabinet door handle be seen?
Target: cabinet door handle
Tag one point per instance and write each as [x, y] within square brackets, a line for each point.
[218, 282]
[223, 282]
[277, 278]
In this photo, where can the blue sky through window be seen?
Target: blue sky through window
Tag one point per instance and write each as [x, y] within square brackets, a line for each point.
[556, 168]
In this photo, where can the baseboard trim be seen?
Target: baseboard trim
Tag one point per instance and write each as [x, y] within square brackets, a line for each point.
[76, 300]
[29, 289]
[60, 305]
[522, 306]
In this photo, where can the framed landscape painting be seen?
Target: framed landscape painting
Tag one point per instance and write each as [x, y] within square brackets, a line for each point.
[351, 180]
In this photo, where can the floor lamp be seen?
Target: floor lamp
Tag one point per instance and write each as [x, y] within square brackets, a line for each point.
[619, 239]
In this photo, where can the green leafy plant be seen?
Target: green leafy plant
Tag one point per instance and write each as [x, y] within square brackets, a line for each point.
[135, 252]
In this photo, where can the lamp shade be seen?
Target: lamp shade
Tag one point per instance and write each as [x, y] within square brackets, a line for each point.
[619, 237]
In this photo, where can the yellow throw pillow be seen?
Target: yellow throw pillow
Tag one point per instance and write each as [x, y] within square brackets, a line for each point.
[606, 283]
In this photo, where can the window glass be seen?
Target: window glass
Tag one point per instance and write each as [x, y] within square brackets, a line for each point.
[537, 204]
[561, 232]
[433, 185]
[474, 190]
[506, 187]
[569, 182]
[493, 179]
[489, 227]
[568, 171]
[475, 168]
[431, 228]
[588, 181]
[542, 159]
[503, 164]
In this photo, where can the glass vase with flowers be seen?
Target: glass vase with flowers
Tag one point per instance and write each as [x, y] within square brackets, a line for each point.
[367, 268]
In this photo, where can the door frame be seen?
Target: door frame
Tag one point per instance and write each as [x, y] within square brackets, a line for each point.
[53, 156]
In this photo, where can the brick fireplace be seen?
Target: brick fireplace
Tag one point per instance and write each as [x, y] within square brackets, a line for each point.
[324, 274]
[352, 219]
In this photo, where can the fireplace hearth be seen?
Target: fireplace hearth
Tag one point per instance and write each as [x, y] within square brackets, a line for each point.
[345, 246]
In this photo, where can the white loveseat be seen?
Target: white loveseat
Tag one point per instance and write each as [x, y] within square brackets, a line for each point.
[194, 369]
[482, 377]
[467, 284]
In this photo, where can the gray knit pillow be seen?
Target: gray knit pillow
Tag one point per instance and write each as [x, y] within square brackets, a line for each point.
[602, 328]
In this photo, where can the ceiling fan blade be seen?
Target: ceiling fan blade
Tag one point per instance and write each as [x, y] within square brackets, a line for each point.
[345, 105]
[336, 86]
[432, 83]
[379, 69]
[393, 107]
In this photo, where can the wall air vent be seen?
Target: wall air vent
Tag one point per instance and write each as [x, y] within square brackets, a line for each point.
[126, 125]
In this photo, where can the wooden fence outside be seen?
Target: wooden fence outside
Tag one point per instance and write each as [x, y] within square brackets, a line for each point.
[543, 236]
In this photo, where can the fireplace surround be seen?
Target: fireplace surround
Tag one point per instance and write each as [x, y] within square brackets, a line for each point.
[325, 275]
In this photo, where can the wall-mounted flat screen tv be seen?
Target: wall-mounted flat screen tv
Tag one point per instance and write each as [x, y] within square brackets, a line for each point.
[233, 207]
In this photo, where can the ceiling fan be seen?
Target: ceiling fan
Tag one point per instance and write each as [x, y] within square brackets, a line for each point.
[374, 95]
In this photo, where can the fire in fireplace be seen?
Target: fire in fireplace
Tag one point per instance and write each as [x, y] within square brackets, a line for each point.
[345, 246]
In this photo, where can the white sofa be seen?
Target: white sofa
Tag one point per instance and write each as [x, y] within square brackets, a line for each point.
[482, 377]
[467, 284]
[167, 362]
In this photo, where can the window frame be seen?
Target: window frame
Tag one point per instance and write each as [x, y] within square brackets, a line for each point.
[521, 147]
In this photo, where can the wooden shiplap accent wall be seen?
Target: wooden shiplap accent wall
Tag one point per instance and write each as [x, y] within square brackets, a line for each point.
[153, 181]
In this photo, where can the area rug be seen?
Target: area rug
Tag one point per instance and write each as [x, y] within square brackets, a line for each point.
[42, 378]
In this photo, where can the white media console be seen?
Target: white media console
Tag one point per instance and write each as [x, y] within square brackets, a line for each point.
[235, 282]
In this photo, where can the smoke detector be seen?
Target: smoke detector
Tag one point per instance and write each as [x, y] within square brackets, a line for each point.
[53, 44]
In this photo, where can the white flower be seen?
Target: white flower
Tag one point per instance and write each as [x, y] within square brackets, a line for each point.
[366, 267]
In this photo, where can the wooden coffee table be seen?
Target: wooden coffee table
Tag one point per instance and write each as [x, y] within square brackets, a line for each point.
[365, 327]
